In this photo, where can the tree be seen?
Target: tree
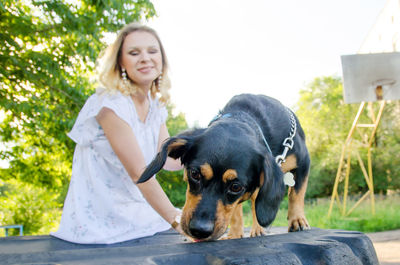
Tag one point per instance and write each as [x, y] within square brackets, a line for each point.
[326, 120]
[47, 56]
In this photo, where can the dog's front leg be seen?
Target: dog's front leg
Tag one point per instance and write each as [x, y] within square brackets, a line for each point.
[256, 228]
[236, 223]
[296, 217]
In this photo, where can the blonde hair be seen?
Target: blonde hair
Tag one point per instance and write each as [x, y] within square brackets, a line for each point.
[110, 72]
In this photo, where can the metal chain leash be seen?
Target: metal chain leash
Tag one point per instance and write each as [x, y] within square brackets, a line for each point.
[288, 143]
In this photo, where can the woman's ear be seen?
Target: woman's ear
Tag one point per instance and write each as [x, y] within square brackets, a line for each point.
[271, 193]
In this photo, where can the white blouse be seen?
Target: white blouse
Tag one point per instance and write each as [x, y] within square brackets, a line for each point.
[103, 205]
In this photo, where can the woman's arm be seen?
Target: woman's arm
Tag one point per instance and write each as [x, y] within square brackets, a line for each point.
[126, 147]
[171, 164]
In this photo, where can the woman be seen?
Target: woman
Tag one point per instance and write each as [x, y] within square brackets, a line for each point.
[118, 132]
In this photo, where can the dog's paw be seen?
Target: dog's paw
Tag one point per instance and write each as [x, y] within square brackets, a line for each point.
[257, 230]
[233, 236]
[234, 233]
[298, 223]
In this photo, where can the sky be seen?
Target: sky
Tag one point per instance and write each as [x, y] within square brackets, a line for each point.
[219, 48]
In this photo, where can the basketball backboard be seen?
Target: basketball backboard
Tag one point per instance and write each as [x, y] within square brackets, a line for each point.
[371, 77]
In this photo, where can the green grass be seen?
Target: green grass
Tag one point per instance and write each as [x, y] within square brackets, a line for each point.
[387, 215]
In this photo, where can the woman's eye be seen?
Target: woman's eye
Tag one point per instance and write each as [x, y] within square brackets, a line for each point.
[235, 188]
[134, 53]
[195, 174]
[153, 51]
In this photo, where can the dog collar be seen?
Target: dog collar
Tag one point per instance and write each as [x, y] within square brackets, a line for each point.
[220, 116]
[263, 137]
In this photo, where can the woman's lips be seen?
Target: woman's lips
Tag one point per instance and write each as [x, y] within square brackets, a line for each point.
[145, 69]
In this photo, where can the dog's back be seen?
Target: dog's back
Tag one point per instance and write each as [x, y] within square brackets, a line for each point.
[270, 115]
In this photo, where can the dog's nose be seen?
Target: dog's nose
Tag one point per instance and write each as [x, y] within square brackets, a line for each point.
[201, 229]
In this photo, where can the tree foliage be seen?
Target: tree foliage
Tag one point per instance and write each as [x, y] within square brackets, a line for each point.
[326, 119]
[34, 207]
[47, 56]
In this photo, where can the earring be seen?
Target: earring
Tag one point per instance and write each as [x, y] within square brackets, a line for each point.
[124, 78]
[123, 74]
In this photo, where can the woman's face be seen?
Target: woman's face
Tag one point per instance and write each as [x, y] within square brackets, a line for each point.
[141, 57]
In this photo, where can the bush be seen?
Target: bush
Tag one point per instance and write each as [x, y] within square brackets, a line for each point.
[35, 208]
[174, 186]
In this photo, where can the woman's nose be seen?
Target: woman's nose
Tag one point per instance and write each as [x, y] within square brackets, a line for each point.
[145, 56]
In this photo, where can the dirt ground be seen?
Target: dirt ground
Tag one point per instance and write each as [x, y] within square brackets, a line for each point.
[387, 246]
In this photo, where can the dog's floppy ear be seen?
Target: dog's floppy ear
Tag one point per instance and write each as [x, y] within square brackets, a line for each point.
[271, 192]
[174, 147]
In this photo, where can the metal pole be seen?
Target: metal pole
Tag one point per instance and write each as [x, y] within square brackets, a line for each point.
[350, 134]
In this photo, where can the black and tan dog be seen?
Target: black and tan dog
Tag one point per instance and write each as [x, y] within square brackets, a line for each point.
[233, 160]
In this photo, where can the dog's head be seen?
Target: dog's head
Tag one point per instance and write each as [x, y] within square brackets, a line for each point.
[223, 166]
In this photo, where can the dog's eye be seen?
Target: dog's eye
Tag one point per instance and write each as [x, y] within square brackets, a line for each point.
[235, 188]
[194, 174]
